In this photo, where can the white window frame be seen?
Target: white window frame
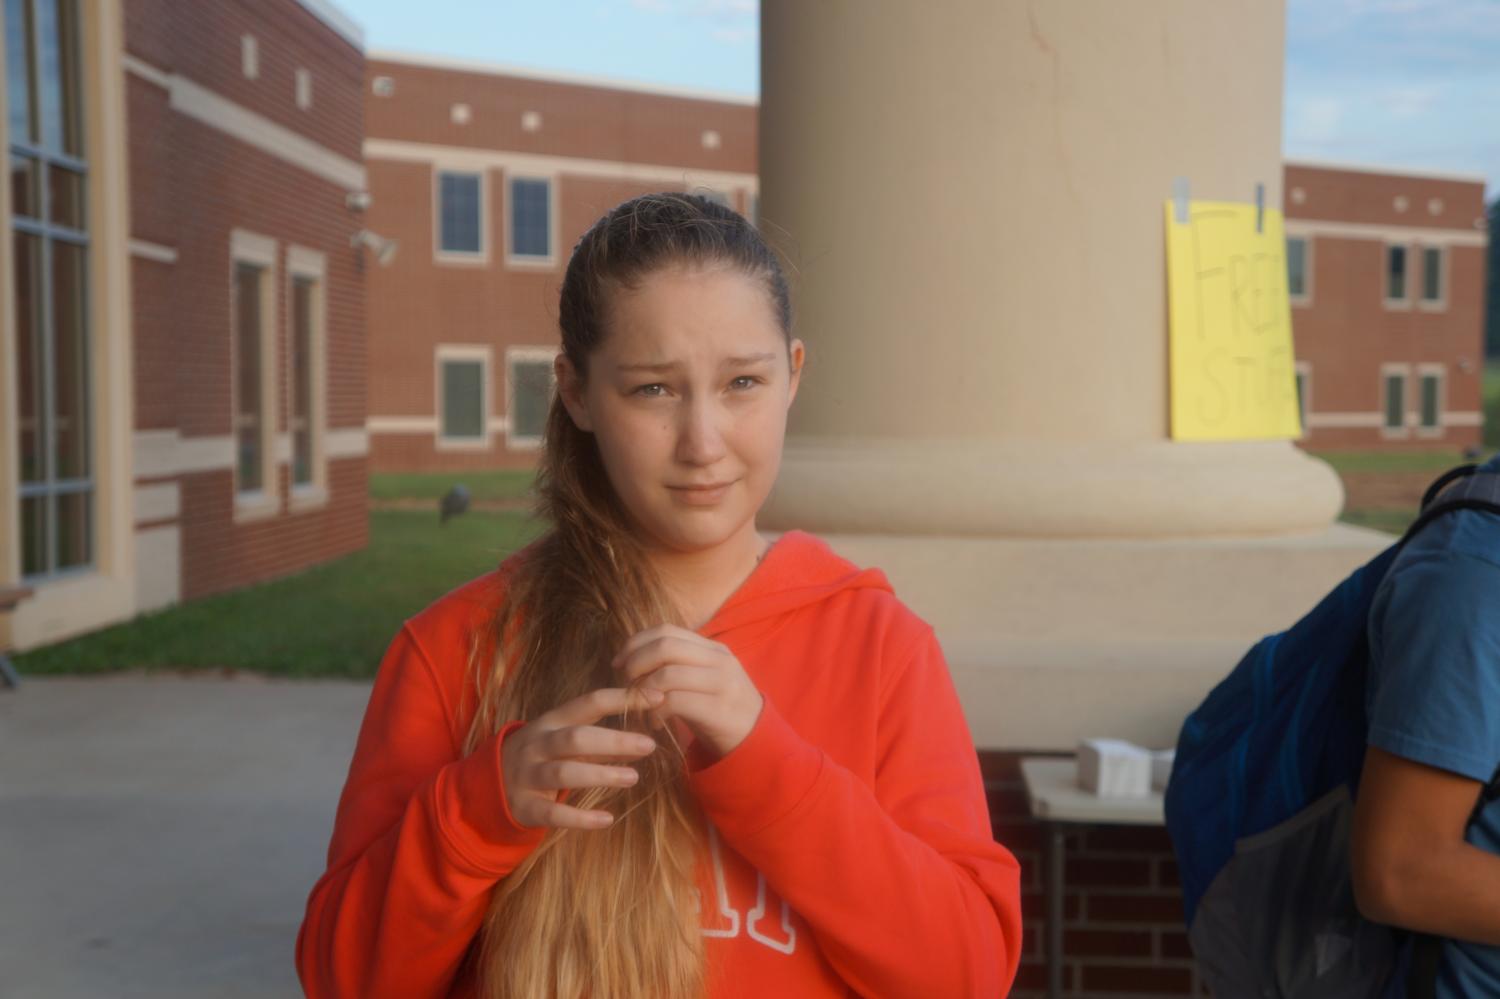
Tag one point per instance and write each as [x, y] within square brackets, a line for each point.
[1385, 275]
[513, 356]
[310, 265]
[304, 88]
[1305, 375]
[250, 57]
[251, 248]
[461, 257]
[1388, 371]
[526, 262]
[1439, 304]
[1307, 271]
[463, 352]
[1440, 372]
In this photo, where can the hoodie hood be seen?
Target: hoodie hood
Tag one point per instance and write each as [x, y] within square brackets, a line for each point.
[799, 570]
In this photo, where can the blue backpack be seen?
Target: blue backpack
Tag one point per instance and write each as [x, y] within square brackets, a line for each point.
[1260, 801]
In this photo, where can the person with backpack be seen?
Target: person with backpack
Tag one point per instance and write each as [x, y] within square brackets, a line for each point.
[1425, 841]
[656, 755]
[1331, 802]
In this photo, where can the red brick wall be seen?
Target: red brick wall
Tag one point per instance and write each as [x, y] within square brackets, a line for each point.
[1122, 917]
[418, 303]
[192, 184]
[1347, 333]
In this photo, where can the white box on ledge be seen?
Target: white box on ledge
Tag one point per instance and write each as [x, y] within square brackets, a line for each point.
[1161, 768]
[1113, 768]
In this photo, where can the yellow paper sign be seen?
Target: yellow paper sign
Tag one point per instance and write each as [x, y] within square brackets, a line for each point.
[1234, 376]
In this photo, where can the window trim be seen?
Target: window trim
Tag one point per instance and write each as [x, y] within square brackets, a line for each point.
[251, 248]
[1385, 275]
[514, 355]
[443, 353]
[308, 265]
[523, 261]
[1304, 371]
[1440, 372]
[1306, 298]
[1439, 304]
[467, 258]
[1388, 371]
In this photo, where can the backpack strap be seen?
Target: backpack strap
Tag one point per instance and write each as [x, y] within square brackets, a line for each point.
[1463, 488]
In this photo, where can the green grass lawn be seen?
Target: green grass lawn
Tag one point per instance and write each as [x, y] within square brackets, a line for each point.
[331, 621]
[506, 484]
[1392, 461]
[1492, 405]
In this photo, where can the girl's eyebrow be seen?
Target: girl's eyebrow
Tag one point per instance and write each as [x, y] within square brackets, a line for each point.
[665, 366]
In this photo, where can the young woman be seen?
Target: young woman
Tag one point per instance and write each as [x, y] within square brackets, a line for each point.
[656, 755]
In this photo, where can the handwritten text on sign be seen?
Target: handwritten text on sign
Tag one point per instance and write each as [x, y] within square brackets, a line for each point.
[1233, 371]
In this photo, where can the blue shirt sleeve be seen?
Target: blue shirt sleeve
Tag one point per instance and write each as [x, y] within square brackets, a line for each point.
[1434, 691]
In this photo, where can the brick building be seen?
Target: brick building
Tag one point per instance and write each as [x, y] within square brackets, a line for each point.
[485, 177]
[1386, 275]
[183, 342]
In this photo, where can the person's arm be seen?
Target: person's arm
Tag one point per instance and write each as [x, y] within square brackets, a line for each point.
[902, 882]
[1410, 863]
[1434, 742]
[421, 837]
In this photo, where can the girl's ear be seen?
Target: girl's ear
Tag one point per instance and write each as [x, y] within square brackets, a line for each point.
[797, 352]
[570, 390]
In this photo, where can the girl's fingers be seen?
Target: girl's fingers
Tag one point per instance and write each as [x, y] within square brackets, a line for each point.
[594, 706]
[556, 815]
[673, 649]
[594, 741]
[665, 633]
[677, 676]
[572, 774]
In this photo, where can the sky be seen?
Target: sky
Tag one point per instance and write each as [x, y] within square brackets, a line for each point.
[1399, 83]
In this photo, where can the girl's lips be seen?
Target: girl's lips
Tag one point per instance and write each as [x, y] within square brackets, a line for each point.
[700, 495]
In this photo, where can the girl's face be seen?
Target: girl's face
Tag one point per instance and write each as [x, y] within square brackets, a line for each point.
[687, 398]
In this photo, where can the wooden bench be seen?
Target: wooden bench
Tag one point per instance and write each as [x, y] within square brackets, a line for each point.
[9, 597]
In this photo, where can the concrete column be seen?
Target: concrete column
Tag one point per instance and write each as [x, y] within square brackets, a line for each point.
[971, 193]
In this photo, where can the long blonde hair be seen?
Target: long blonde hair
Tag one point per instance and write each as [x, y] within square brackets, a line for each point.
[607, 914]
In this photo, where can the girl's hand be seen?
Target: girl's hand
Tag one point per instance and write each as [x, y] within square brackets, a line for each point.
[558, 750]
[703, 683]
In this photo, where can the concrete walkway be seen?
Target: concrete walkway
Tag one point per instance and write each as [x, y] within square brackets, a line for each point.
[159, 835]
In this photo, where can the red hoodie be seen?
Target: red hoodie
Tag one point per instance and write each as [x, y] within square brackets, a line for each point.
[849, 843]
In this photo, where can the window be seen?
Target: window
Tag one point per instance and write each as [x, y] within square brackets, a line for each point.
[1296, 268]
[1432, 275]
[250, 423]
[249, 57]
[1394, 421]
[1430, 416]
[460, 214]
[529, 392]
[383, 86]
[253, 355]
[463, 396]
[531, 218]
[304, 89]
[50, 242]
[1395, 274]
[306, 378]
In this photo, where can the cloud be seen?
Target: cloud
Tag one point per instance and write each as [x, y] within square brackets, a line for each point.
[1317, 119]
[734, 36]
[1409, 101]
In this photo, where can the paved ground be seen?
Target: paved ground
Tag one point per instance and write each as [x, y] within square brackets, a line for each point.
[158, 836]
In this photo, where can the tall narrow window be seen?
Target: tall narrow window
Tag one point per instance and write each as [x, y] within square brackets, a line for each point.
[1395, 402]
[530, 218]
[463, 400]
[50, 239]
[1432, 275]
[250, 424]
[1304, 393]
[460, 214]
[1395, 274]
[304, 292]
[1296, 267]
[529, 389]
[1431, 416]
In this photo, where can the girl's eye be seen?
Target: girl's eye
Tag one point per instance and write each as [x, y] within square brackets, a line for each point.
[749, 381]
[647, 389]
